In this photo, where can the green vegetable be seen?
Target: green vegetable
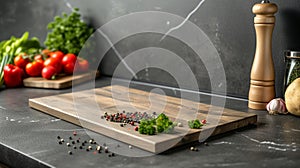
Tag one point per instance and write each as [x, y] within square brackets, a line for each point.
[164, 124]
[68, 34]
[152, 126]
[13, 47]
[195, 124]
[147, 127]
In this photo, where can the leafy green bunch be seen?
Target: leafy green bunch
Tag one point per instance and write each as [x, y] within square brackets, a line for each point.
[152, 126]
[68, 33]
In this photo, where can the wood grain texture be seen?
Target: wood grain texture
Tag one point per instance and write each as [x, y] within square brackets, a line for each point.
[85, 109]
[60, 82]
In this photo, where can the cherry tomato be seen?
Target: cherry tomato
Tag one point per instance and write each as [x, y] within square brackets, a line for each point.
[69, 68]
[69, 58]
[83, 65]
[56, 63]
[34, 69]
[49, 72]
[39, 58]
[46, 52]
[57, 54]
[20, 61]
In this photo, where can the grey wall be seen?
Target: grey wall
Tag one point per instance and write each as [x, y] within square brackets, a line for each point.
[228, 24]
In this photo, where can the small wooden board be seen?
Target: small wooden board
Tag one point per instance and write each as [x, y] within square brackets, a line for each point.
[61, 82]
[85, 109]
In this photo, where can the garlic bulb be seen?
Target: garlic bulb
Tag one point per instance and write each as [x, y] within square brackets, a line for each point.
[276, 106]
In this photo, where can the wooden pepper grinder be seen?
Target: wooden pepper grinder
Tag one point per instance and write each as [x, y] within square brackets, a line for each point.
[262, 81]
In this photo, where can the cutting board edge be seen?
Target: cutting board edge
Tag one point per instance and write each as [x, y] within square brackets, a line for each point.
[140, 143]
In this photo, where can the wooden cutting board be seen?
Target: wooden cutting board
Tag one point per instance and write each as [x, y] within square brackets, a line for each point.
[61, 82]
[85, 109]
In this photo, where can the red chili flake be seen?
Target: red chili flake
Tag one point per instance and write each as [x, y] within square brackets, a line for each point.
[74, 133]
[95, 152]
[203, 121]
[136, 128]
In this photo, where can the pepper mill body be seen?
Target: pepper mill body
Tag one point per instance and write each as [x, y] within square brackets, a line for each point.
[262, 83]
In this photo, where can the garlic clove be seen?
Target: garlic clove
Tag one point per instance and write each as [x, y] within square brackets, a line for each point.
[276, 106]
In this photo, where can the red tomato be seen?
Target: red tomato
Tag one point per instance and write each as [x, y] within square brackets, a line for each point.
[49, 72]
[83, 65]
[55, 63]
[20, 61]
[39, 58]
[57, 54]
[34, 68]
[69, 58]
[69, 68]
[46, 52]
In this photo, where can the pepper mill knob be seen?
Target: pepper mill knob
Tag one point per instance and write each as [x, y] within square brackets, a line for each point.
[262, 81]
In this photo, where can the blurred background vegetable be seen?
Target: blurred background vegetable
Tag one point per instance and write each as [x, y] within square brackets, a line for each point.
[68, 33]
[9, 49]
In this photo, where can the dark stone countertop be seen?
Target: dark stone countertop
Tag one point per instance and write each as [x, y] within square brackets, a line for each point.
[28, 139]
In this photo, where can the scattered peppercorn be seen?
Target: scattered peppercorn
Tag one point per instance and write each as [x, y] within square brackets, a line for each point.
[73, 142]
[62, 140]
[70, 152]
[193, 149]
[206, 144]
[58, 137]
[78, 140]
[130, 147]
[98, 148]
[68, 144]
[112, 154]
[59, 142]
[74, 147]
[87, 149]
[70, 138]
[90, 148]
[80, 147]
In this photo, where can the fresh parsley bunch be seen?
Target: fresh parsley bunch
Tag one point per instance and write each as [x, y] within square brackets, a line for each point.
[68, 33]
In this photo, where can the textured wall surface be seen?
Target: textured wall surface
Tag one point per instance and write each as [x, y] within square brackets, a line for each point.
[227, 23]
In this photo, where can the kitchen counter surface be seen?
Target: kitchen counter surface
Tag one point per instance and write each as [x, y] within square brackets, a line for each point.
[29, 139]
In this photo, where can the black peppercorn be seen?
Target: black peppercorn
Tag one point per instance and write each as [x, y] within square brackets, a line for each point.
[59, 142]
[58, 137]
[70, 138]
[87, 150]
[73, 142]
[74, 147]
[70, 152]
[78, 140]
[80, 147]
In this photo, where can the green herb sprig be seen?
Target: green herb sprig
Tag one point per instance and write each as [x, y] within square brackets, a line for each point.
[158, 125]
[195, 124]
[68, 33]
